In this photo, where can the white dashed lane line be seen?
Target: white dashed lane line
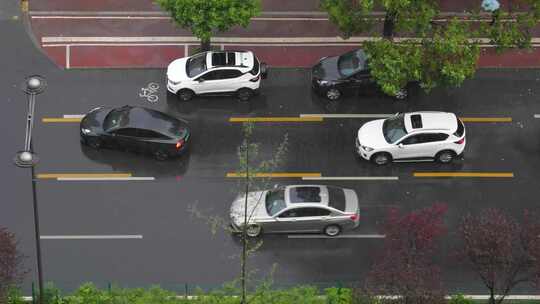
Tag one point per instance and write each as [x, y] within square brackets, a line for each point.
[343, 236]
[92, 237]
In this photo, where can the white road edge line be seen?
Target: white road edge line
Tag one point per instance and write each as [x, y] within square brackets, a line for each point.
[74, 39]
[73, 116]
[91, 237]
[68, 56]
[81, 179]
[348, 115]
[345, 236]
[536, 115]
[351, 178]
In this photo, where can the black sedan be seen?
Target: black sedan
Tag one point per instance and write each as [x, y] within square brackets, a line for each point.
[335, 76]
[135, 129]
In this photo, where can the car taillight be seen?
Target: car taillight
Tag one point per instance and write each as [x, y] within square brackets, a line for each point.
[255, 79]
[461, 141]
[354, 217]
[179, 144]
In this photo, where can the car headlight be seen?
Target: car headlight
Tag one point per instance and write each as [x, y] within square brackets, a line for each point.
[368, 149]
[86, 131]
[323, 82]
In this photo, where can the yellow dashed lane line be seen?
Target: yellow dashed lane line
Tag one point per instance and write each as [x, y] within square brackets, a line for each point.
[464, 174]
[276, 174]
[81, 175]
[486, 119]
[53, 120]
[276, 119]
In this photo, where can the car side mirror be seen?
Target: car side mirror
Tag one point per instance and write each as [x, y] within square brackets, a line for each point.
[396, 114]
[200, 80]
[400, 145]
[276, 186]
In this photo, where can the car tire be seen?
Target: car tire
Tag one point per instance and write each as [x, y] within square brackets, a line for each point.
[253, 230]
[381, 158]
[161, 155]
[332, 230]
[244, 94]
[94, 142]
[185, 94]
[401, 94]
[445, 156]
[333, 94]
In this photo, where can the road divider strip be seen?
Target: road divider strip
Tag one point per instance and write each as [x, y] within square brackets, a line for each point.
[275, 119]
[61, 119]
[357, 178]
[275, 175]
[92, 237]
[465, 174]
[486, 119]
[342, 236]
[74, 116]
[93, 177]
[347, 115]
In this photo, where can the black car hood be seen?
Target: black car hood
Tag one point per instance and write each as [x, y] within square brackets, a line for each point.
[93, 120]
[326, 69]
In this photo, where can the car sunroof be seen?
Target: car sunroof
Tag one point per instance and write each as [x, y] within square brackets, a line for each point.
[416, 121]
[223, 58]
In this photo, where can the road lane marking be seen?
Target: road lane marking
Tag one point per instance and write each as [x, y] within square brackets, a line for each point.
[133, 178]
[80, 116]
[464, 174]
[359, 178]
[82, 175]
[342, 236]
[486, 119]
[347, 115]
[218, 40]
[63, 119]
[275, 175]
[92, 237]
[275, 119]
[536, 115]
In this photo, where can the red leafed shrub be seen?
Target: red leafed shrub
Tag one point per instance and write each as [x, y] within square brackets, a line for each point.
[11, 262]
[404, 269]
[502, 252]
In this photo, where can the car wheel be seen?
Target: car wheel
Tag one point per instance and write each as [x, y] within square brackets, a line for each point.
[332, 230]
[161, 155]
[253, 230]
[333, 94]
[244, 94]
[94, 142]
[401, 94]
[185, 94]
[381, 158]
[445, 157]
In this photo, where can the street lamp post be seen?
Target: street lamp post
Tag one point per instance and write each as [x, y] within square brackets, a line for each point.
[26, 158]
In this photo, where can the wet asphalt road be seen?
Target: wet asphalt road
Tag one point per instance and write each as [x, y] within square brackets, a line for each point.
[177, 248]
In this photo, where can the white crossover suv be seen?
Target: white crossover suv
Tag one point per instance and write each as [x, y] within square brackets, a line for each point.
[216, 72]
[413, 136]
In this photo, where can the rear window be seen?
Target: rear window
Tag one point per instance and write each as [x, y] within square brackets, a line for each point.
[305, 195]
[336, 198]
[460, 128]
[255, 69]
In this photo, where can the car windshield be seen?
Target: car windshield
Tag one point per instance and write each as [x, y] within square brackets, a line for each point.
[115, 119]
[394, 128]
[275, 201]
[196, 65]
[351, 63]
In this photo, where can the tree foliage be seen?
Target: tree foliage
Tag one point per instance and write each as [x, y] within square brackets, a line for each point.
[205, 17]
[405, 267]
[501, 251]
[11, 262]
[447, 52]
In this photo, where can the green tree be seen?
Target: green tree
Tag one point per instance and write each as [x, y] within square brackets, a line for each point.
[205, 17]
[414, 47]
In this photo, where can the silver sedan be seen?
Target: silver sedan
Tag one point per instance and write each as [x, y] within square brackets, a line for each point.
[297, 209]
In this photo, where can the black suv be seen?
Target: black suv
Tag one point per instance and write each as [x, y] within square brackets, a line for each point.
[335, 76]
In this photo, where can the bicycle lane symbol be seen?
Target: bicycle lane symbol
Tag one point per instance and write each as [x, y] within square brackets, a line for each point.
[150, 92]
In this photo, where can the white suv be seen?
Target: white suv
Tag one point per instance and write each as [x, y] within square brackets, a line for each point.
[413, 136]
[219, 72]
